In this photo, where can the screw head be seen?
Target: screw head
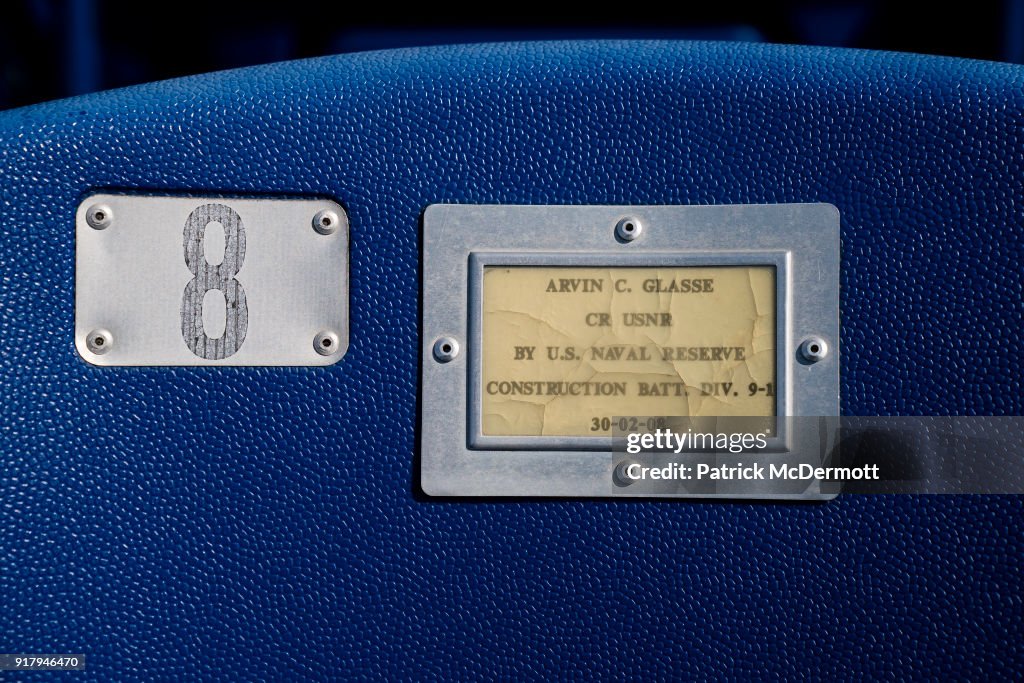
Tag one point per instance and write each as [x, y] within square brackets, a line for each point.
[813, 349]
[446, 349]
[99, 341]
[628, 229]
[326, 222]
[619, 476]
[326, 343]
[99, 216]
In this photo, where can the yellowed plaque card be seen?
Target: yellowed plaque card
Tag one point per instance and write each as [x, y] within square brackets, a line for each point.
[565, 349]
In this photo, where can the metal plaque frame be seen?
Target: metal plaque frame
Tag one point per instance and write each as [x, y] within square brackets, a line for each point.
[800, 240]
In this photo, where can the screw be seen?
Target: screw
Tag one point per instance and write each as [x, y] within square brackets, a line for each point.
[326, 343]
[326, 222]
[445, 349]
[99, 216]
[99, 341]
[813, 349]
[619, 476]
[628, 229]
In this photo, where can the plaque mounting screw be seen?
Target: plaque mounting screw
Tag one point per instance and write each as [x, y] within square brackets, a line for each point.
[99, 216]
[628, 229]
[619, 475]
[445, 349]
[99, 341]
[326, 343]
[326, 222]
[813, 349]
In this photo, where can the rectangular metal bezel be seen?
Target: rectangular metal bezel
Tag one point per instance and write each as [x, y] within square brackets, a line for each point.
[800, 240]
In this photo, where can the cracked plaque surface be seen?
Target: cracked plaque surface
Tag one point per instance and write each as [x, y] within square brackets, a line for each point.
[565, 349]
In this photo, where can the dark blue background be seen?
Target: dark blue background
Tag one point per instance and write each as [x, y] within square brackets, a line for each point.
[266, 525]
[58, 48]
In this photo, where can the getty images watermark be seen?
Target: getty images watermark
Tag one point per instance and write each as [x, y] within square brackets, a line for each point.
[794, 456]
[667, 440]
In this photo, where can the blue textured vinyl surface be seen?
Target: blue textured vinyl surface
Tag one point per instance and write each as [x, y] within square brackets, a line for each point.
[265, 525]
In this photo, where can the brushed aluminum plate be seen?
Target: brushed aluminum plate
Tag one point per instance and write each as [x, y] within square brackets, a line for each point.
[210, 281]
[457, 459]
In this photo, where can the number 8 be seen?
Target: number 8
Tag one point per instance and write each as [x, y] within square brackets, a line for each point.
[208, 277]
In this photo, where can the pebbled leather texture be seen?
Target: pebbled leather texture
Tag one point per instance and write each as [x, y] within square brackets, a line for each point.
[266, 524]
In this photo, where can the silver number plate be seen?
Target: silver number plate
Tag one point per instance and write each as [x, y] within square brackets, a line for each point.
[210, 281]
